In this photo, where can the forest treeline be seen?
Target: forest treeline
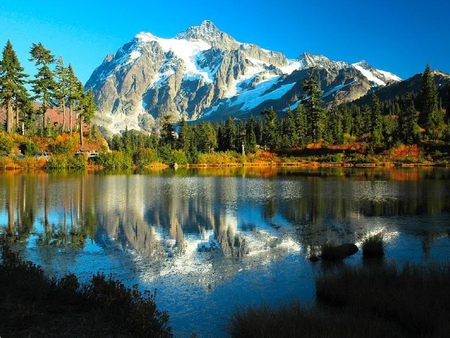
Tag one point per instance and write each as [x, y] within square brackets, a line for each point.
[413, 119]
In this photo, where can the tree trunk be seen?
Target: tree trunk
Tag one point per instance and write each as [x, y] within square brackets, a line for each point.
[16, 119]
[81, 130]
[70, 120]
[44, 115]
[9, 118]
[63, 128]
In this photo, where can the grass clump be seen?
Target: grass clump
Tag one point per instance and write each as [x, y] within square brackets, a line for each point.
[373, 246]
[295, 320]
[33, 304]
[414, 299]
[368, 301]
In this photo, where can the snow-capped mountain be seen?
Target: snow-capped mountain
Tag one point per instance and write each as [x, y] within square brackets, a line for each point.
[204, 73]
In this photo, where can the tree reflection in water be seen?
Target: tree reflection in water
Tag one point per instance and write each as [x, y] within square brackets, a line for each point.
[162, 219]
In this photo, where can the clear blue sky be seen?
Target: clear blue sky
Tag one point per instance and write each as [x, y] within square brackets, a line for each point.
[395, 35]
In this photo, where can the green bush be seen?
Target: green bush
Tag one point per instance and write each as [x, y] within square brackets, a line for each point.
[63, 144]
[144, 157]
[6, 144]
[165, 154]
[29, 148]
[179, 157]
[66, 162]
[338, 158]
[57, 162]
[136, 311]
[115, 159]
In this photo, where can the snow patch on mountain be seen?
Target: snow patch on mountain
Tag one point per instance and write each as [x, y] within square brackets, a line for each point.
[186, 50]
[291, 67]
[251, 98]
[368, 74]
[389, 75]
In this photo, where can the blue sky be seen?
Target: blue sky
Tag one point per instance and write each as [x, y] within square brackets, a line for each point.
[394, 35]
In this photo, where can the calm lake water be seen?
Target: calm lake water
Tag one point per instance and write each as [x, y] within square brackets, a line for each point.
[211, 240]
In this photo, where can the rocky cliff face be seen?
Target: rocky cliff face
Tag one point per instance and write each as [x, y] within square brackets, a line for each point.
[204, 73]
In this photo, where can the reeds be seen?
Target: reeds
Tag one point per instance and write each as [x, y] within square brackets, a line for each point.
[373, 246]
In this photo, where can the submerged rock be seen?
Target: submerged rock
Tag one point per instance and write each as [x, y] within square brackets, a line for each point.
[349, 249]
[335, 252]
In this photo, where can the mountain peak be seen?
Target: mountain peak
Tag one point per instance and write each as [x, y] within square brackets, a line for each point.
[208, 32]
[364, 64]
[309, 60]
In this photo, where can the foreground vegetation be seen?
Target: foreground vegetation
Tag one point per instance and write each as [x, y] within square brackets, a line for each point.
[373, 300]
[368, 301]
[33, 304]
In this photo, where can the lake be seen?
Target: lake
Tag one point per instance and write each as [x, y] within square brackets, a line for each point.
[212, 239]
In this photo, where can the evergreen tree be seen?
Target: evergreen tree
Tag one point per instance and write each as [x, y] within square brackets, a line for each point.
[12, 86]
[44, 84]
[127, 142]
[430, 118]
[408, 128]
[270, 132]
[61, 89]
[74, 95]
[205, 137]
[347, 120]
[87, 111]
[228, 136]
[315, 111]
[376, 122]
[358, 121]
[334, 130]
[167, 131]
[250, 135]
[25, 112]
[301, 123]
[289, 130]
[185, 141]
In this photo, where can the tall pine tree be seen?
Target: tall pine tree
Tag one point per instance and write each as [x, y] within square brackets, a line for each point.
[87, 111]
[74, 94]
[376, 122]
[61, 89]
[12, 86]
[270, 132]
[408, 128]
[301, 123]
[430, 118]
[250, 135]
[43, 84]
[314, 109]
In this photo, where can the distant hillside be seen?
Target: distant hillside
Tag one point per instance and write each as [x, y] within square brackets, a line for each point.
[411, 85]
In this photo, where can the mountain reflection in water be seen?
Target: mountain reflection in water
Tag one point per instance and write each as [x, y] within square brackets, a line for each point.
[203, 229]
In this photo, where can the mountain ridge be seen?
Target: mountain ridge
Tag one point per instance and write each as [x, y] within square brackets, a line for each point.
[204, 73]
